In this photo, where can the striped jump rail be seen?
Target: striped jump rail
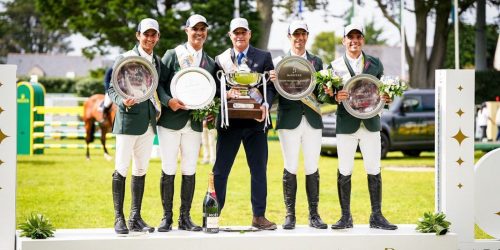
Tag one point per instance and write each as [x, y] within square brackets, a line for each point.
[65, 135]
[72, 146]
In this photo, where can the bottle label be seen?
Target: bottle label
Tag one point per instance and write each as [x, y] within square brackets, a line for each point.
[212, 222]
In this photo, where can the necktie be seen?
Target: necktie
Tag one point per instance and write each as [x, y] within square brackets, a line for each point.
[240, 56]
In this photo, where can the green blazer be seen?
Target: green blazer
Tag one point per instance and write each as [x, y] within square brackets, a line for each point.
[346, 123]
[176, 120]
[290, 112]
[135, 119]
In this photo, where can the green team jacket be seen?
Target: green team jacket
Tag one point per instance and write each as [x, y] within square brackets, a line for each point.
[135, 119]
[290, 112]
[176, 120]
[346, 123]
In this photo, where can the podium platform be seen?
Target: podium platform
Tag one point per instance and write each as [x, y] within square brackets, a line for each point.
[361, 237]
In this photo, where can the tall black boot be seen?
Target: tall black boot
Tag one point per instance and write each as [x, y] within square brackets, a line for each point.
[135, 222]
[289, 195]
[377, 220]
[344, 190]
[312, 190]
[167, 197]
[118, 188]
[187, 193]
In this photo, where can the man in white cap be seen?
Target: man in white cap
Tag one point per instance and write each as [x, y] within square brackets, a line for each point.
[299, 124]
[352, 131]
[252, 133]
[135, 129]
[177, 130]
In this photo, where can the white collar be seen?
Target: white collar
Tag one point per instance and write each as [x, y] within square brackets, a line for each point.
[192, 50]
[145, 54]
[303, 55]
[354, 60]
[245, 51]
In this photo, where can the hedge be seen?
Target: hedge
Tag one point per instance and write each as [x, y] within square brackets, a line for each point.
[487, 86]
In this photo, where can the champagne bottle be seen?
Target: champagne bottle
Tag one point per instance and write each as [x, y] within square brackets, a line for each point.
[210, 208]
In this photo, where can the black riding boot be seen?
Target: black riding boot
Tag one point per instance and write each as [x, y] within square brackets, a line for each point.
[312, 190]
[377, 220]
[289, 194]
[187, 193]
[118, 188]
[135, 222]
[344, 190]
[167, 197]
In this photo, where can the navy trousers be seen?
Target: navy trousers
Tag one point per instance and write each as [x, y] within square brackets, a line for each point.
[255, 145]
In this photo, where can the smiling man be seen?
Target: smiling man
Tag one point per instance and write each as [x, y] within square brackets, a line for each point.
[299, 125]
[177, 130]
[252, 133]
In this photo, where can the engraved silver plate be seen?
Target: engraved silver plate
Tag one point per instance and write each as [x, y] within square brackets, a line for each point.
[134, 77]
[294, 77]
[364, 100]
[194, 86]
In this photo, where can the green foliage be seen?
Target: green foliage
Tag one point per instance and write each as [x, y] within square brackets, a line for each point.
[89, 86]
[433, 223]
[37, 227]
[212, 109]
[467, 45]
[54, 84]
[373, 35]
[114, 22]
[324, 46]
[487, 86]
[325, 78]
[97, 73]
[21, 30]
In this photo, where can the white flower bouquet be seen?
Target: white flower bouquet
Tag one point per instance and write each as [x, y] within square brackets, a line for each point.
[211, 109]
[326, 78]
[392, 86]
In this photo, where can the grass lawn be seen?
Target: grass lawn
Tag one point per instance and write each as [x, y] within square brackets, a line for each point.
[75, 193]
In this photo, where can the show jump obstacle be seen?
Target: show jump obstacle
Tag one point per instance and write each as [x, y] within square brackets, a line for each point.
[455, 194]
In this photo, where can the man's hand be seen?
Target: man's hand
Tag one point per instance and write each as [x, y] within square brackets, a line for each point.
[328, 90]
[342, 95]
[129, 102]
[210, 118]
[264, 110]
[233, 93]
[386, 98]
[176, 104]
[272, 75]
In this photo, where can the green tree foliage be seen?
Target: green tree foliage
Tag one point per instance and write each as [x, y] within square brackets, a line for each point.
[324, 46]
[114, 22]
[466, 46]
[373, 34]
[21, 30]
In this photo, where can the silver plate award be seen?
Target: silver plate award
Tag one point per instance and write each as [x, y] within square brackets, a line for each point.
[294, 77]
[194, 86]
[134, 77]
[364, 100]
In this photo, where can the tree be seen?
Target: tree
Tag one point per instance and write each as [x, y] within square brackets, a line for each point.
[21, 31]
[324, 46]
[373, 34]
[114, 22]
[422, 69]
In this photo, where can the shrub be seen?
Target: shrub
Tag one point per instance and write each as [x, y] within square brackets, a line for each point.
[54, 84]
[89, 86]
[487, 85]
[37, 227]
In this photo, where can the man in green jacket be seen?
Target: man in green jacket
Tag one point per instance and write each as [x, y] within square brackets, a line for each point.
[299, 125]
[352, 131]
[177, 129]
[135, 129]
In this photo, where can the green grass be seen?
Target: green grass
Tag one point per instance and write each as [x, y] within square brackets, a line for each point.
[75, 193]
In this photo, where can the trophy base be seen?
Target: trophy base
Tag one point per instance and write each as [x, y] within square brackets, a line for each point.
[244, 109]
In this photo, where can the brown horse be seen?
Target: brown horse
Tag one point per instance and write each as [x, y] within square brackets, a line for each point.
[91, 115]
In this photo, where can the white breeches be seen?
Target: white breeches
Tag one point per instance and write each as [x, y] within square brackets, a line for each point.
[187, 140]
[208, 140]
[291, 141]
[107, 101]
[369, 144]
[136, 148]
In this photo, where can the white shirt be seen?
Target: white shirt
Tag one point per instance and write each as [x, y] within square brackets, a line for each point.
[196, 54]
[497, 117]
[145, 54]
[356, 63]
[303, 55]
[482, 117]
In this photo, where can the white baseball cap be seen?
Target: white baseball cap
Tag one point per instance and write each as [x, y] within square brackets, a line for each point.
[295, 25]
[195, 19]
[238, 23]
[354, 26]
[147, 24]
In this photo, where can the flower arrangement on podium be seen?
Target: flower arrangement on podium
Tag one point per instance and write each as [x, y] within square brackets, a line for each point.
[392, 85]
[211, 109]
[433, 223]
[329, 79]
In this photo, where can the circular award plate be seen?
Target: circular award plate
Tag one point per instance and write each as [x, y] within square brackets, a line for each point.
[294, 77]
[194, 86]
[364, 100]
[134, 77]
